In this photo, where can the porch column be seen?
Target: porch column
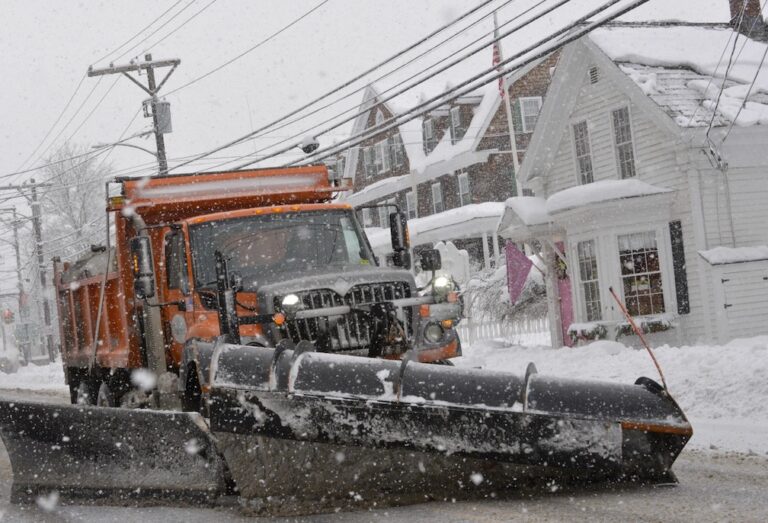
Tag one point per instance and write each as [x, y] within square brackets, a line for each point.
[486, 253]
[496, 251]
[553, 296]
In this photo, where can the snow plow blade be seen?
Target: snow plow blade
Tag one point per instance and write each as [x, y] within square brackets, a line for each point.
[113, 455]
[628, 431]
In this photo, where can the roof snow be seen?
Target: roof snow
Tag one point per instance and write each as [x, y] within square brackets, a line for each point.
[682, 68]
[722, 255]
[597, 192]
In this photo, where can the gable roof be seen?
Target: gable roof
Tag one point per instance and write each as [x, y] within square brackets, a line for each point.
[683, 67]
[670, 70]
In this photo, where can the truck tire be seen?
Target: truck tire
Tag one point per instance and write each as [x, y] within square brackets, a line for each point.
[105, 397]
[192, 399]
[84, 394]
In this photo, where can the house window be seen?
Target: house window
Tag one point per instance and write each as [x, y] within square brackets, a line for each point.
[340, 164]
[583, 152]
[382, 156]
[622, 134]
[641, 273]
[379, 117]
[428, 129]
[396, 151]
[437, 198]
[589, 281]
[410, 204]
[367, 218]
[465, 197]
[457, 129]
[529, 112]
[368, 161]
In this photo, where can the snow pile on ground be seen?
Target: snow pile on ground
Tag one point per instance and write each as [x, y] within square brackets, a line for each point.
[33, 377]
[722, 389]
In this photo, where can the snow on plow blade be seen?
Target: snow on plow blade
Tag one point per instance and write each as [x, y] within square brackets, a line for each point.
[91, 453]
[633, 431]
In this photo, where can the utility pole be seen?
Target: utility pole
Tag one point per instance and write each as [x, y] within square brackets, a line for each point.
[38, 233]
[160, 110]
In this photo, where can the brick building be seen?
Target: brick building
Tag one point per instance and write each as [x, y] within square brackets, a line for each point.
[457, 155]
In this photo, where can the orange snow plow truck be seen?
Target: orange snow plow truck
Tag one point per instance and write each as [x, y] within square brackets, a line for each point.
[248, 306]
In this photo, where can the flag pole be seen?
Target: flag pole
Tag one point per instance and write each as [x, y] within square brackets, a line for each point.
[505, 95]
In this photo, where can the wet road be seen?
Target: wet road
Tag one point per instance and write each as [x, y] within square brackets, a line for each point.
[713, 487]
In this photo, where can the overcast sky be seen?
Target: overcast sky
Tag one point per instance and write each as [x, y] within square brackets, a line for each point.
[46, 48]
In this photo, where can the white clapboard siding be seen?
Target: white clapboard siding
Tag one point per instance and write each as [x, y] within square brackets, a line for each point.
[743, 299]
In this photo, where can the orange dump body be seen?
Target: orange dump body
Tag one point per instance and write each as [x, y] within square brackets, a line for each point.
[167, 205]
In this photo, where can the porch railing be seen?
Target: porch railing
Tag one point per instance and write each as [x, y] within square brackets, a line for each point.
[532, 331]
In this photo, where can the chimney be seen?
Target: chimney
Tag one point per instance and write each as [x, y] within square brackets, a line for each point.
[752, 23]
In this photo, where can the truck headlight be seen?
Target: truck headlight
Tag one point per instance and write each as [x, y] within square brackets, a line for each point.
[441, 287]
[291, 304]
[433, 333]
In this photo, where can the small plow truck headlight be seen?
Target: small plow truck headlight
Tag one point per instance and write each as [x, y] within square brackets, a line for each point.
[434, 333]
[290, 305]
[442, 286]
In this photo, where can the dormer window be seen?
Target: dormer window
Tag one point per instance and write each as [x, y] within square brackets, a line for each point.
[529, 112]
[428, 131]
[458, 129]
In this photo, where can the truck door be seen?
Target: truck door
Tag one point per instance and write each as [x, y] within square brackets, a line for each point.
[177, 308]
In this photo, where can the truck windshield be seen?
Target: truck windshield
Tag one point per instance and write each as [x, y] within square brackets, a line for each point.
[266, 247]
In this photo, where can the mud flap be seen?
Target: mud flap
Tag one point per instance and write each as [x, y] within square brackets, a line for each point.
[110, 454]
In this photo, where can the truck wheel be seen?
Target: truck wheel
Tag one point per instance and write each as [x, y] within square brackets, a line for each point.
[105, 396]
[84, 394]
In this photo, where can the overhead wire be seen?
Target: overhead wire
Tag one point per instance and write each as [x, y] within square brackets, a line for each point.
[445, 67]
[467, 86]
[153, 33]
[425, 70]
[184, 23]
[338, 88]
[138, 33]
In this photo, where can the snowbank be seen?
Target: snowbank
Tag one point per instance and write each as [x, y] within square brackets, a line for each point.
[33, 377]
[722, 388]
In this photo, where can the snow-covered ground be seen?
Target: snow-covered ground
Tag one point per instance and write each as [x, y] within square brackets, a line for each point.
[722, 388]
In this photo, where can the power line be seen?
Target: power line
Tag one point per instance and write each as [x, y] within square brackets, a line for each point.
[138, 33]
[54, 124]
[422, 71]
[463, 57]
[150, 35]
[467, 85]
[250, 49]
[746, 96]
[185, 22]
[335, 90]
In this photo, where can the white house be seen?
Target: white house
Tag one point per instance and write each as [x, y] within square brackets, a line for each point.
[650, 168]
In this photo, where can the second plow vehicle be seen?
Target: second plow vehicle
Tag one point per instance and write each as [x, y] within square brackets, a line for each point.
[236, 336]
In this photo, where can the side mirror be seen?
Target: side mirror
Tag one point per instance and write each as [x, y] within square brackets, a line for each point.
[143, 273]
[398, 226]
[401, 241]
[430, 260]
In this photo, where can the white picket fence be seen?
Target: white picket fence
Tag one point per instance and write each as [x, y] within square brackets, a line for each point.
[533, 331]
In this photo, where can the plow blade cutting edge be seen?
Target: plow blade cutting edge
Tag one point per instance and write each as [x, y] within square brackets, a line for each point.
[629, 431]
[109, 454]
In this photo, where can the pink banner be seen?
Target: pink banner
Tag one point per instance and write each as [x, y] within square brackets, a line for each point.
[518, 267]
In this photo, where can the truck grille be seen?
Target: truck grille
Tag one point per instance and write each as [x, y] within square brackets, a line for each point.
[350, 331]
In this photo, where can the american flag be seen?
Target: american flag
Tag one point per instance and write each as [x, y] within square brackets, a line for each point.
[497, 55]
